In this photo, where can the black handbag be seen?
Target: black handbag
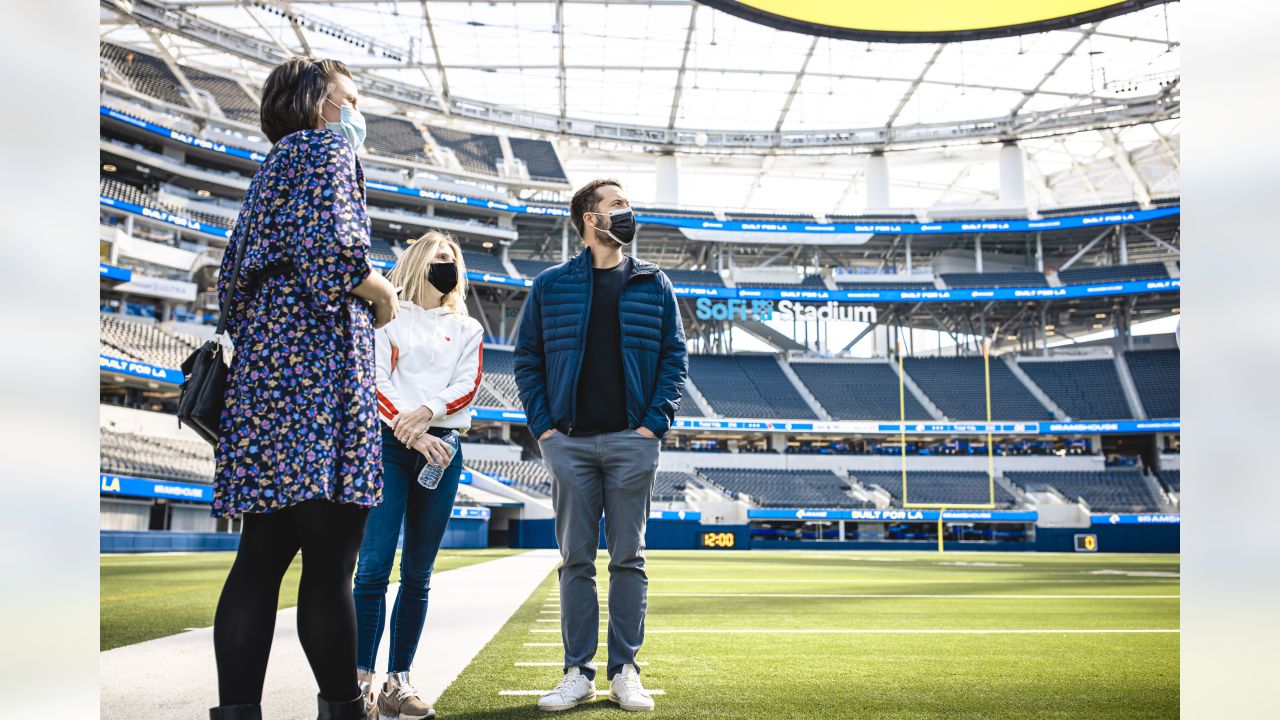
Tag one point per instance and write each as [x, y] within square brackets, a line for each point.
[204, 373]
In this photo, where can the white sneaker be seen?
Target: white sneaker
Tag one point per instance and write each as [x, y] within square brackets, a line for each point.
[626, 690]
[574, 689]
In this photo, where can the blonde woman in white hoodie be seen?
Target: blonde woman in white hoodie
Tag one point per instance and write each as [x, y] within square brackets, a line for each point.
[429, 361]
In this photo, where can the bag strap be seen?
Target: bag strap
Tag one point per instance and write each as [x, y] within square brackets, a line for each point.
[234, 283]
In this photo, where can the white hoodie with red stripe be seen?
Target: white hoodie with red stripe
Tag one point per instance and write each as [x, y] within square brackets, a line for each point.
[432, 358]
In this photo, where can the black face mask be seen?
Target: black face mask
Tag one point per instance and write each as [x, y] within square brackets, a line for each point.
[443, 277]
[622, 226]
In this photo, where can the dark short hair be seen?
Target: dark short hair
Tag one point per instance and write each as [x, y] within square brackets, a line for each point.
[292, 95]
[585, 200]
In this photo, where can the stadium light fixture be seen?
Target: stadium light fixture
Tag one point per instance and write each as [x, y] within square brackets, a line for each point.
[486, 245]
[109, 168]
[203, 193]
[1100, 316]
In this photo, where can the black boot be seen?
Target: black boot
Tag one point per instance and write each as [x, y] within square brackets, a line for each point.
[236, 712]
[345, 710]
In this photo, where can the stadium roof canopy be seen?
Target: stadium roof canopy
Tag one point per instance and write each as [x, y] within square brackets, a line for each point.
[608, 79]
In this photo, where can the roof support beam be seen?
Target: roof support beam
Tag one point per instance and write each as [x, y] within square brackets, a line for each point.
[684, 64]
[442, 95]
[564, 81]
[1158, 241]
[297, 30]
[1121, 158]
[1084, 250]
[906, 97]
[196, 101]
[795, 86]
[1084, 38]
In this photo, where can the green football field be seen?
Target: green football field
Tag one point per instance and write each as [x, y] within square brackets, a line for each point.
[142, 597]
[801, 634]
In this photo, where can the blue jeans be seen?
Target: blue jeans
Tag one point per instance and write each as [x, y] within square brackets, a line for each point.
[424, 515]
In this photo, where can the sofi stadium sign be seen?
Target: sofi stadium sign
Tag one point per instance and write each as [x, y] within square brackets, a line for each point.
[742, 309]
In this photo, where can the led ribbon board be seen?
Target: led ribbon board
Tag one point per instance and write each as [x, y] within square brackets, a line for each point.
[924, 20]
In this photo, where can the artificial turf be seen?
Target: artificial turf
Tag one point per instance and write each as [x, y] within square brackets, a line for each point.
[143, 597]
[718, 673]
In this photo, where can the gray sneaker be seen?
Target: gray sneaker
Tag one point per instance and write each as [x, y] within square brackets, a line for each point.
[400, 701]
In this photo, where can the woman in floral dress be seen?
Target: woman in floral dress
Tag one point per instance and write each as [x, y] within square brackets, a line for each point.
[299, 455]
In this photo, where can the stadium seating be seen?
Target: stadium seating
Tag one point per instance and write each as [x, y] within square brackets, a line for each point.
[484, 263]
[1113, 273]
[499, 370]
[854, 285]
[156, 458]
[784, 488]
[540, 158]
[857, 391]
[395, 137]
[234, 102]
[669, 486]
[144, 342]
[1104, 491]
[957, 387]
[530, 476]
[936, 486]
[113, 188]
[994, 279]
[1084, 389]
[1172, 479]
[1156, 375]
[530, 268]
[484, 398]
[747, 386]
[145, 74]
[704, 278]
[476, 153]
[380, 248]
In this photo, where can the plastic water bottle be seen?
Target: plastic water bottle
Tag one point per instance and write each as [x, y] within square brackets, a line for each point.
[430, 476]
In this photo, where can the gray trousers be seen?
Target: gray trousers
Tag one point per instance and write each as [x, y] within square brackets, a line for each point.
[613, 473]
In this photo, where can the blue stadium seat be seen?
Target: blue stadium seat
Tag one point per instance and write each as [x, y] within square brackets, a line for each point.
[1156, 374]
[747, 386]
[937, 486]
[957, 387]
[994, 279]
[1104, 491]
[784, 488]
[1113, 273]
[540, 158]
[857, 391]
[482, 262]
[704, 278]
[476, 153]
[1084, 389]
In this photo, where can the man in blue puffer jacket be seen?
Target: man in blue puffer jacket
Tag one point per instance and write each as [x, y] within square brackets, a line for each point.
[600, 362]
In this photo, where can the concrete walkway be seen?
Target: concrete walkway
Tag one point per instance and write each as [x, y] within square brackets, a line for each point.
[176, 678]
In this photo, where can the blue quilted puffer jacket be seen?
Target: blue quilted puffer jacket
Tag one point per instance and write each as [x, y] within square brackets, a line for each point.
[548, 355]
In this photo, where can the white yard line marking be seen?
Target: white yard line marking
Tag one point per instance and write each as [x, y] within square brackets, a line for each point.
[1137, 573]
[542, 644]
[921, 596]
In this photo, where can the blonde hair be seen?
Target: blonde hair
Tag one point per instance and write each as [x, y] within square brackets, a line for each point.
[411, 269]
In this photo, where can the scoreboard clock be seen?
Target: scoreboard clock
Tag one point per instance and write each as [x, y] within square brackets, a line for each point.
[1086, 543]
[718, 540]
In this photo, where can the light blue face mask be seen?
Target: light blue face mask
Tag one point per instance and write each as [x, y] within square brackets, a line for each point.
[351, 125]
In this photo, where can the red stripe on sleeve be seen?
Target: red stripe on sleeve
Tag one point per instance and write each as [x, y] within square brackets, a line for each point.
[385, 407]
[462, 402]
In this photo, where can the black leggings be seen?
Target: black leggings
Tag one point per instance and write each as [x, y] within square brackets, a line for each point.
[329, 536]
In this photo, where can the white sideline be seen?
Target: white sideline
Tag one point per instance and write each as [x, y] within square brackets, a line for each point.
[175, 677]
[604, 691]
[921, 596]
[894, 631]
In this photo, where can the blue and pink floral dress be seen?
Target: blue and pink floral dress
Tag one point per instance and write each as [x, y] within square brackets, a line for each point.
[301, 418]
